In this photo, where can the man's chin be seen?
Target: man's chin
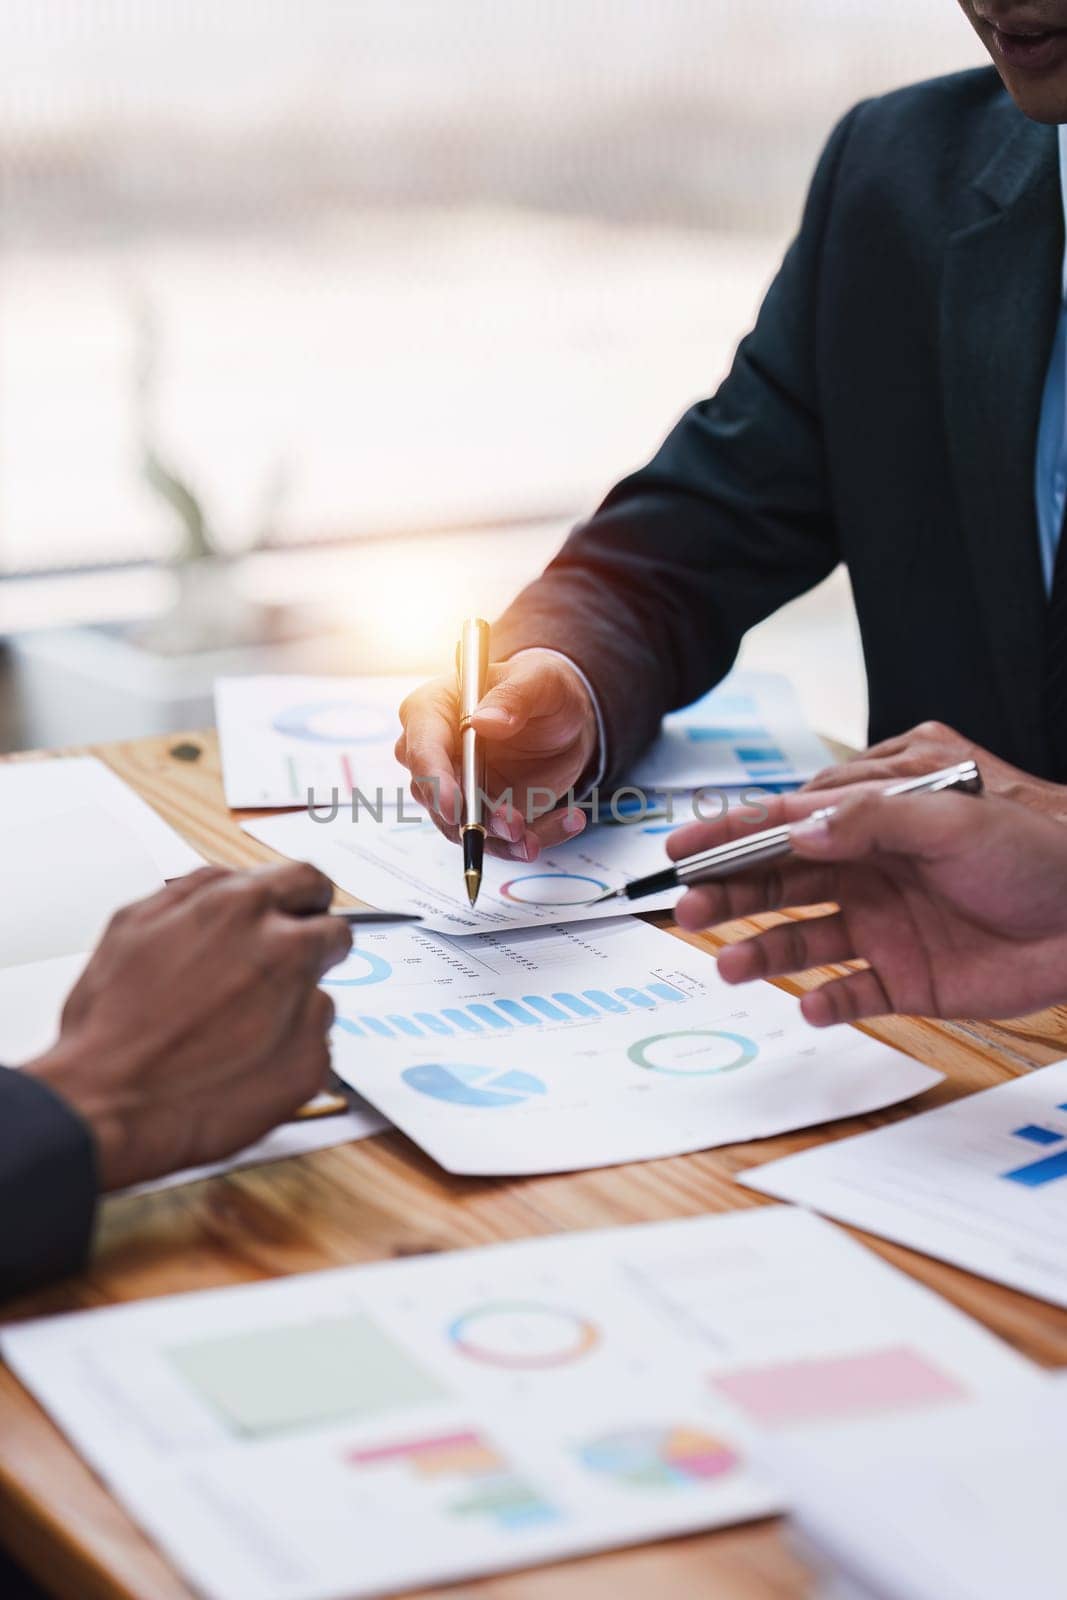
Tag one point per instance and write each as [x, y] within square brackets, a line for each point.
[1040, 95]
[1041, 102]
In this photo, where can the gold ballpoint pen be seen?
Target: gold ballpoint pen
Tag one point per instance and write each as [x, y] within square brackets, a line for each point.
[473, 666]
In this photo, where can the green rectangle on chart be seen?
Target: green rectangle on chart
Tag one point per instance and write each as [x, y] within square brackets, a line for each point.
[272, 1380]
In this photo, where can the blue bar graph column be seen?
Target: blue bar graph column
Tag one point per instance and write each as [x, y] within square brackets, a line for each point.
[1037, 1173]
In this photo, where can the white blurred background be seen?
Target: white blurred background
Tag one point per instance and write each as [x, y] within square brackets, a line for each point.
[395, 289]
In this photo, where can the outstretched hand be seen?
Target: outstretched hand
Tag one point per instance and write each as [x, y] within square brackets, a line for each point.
[958, 905]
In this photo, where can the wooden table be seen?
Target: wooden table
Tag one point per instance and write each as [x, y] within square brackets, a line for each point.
[381, 1198]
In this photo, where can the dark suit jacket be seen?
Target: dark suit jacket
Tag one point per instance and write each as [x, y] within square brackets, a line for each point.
[884, 413]
[47, 1184]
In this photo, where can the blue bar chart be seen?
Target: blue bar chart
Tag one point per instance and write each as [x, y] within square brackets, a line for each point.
[1048, 1168]
[504, 1015]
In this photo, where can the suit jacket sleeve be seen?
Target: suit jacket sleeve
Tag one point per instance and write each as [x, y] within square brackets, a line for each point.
[652, 596]
[47, 1184]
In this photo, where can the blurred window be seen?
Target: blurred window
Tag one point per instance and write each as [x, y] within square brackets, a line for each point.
[343, 267]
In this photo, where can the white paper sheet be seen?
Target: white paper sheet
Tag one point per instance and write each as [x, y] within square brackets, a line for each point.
[282, 1144]
[380, 1428]
[282, 737]
[31, 1002]
[64, 876]
[749, 732]
[966, 1505]
[587, 1045]
[409, 866]
[981, 1182]
[32, 791]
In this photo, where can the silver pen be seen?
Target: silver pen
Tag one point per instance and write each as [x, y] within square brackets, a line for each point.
[756, 849]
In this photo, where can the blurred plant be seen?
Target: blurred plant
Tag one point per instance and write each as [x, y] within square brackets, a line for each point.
[211, 610]
[199, 541]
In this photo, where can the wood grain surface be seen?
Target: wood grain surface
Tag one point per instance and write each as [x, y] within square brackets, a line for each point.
[381, 1198]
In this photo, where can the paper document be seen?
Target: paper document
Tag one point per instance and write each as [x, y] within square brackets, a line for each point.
[957, 1505]
[64, 876]
[33, 791]
[748, 733]
[981, 1183]
[283, 737]
[586, 1045]
[409, 866]
[381, 1428]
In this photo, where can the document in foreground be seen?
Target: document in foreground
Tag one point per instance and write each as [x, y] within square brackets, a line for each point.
[963, 1505]
[584, 1045]
[380, 1428]
[981, 1183]
[409, 866]
[285, 738]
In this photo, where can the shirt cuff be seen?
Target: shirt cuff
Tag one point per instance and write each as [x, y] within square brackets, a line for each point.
[593, 776]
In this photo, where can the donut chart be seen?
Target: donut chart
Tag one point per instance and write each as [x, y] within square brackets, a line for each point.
[693, 1052]
[350, 976]
[552, 889]
[523, 1335]
[336, 722]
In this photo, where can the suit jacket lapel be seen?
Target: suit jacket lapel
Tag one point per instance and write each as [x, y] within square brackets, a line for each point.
[1001, 296]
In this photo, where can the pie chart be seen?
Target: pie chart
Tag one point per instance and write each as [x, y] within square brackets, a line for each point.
[552, 889]
[461, 1085]
[359, 968]
[334, 722]
[658, 1458]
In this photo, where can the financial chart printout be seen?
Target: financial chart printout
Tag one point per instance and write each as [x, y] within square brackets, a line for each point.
[585, 1045]
[381, 1428]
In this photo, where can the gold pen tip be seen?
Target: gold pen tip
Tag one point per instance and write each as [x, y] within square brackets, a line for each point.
[474, 882]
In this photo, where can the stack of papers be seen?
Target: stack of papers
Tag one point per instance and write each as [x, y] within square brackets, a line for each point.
[529, 1034]
[382, 1428]
[981, 1183]
[75, 845]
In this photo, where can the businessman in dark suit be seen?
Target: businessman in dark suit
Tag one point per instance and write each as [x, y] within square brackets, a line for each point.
[899, 406]
[196, 1028]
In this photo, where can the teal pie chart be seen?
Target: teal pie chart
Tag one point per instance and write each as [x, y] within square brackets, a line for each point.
[359, 968]
[489, 1088]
